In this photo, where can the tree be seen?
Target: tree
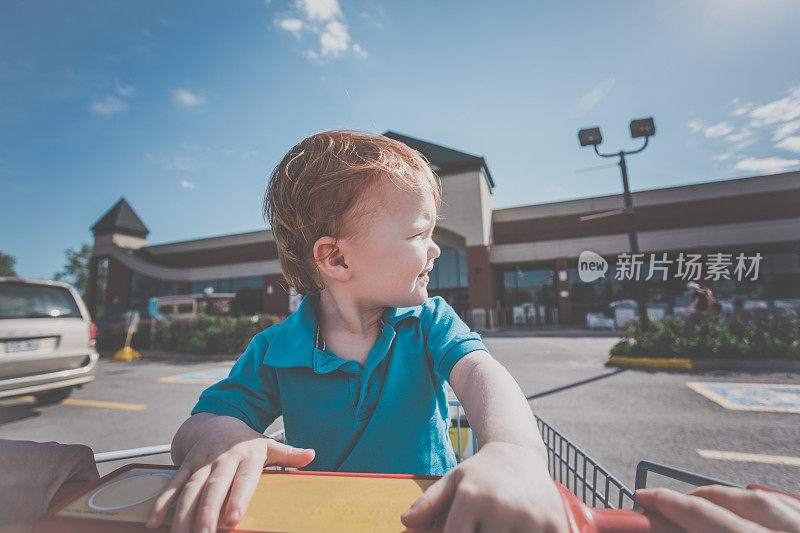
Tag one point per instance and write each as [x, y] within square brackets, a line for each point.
[7, 265]
[76, 270]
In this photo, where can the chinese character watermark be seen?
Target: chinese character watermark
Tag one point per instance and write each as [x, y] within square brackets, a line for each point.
[688, 267]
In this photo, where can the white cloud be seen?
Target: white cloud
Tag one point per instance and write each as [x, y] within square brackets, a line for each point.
[740, 108]
[790, 143]
[322, 18]
[334, 39]
[743, 139]
[187, 99]
[311, 55]
[767, 164]
[719, 130]
[593, 97]
[360, 52]
[123, 89]
[739, 137]
[291, 25]
[696, 125]
[320, 10]
[782, 110]
[110, 105]
[187, 184]
[722, 157]
[784, 130]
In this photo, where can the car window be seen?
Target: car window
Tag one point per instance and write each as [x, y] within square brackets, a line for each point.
[21, 300]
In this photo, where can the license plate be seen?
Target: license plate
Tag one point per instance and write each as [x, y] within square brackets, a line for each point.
[21, 346]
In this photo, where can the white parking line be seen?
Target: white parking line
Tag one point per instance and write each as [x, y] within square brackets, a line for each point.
[749, 457]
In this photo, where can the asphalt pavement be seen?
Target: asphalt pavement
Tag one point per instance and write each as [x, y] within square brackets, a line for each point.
[616, 416]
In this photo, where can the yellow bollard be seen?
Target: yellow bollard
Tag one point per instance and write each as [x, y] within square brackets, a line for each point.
[127, 353]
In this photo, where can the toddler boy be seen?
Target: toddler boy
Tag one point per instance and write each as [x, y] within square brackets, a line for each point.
[358, 370]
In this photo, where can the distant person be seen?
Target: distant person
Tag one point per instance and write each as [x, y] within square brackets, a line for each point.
[704, 299]
[358, 371]
[30, 475]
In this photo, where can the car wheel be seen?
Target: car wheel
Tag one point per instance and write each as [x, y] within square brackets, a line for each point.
[52, 396]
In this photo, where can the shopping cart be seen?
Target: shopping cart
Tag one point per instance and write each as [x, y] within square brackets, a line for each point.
[595, 501]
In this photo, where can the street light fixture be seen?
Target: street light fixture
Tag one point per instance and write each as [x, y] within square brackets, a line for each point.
[643, 127]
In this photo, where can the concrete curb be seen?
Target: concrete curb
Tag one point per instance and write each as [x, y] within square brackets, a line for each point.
[685, 364]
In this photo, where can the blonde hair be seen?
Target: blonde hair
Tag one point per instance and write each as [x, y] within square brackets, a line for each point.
[318, 183]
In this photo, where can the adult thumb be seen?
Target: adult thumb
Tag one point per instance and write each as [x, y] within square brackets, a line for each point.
[279, 454]
[433, 503]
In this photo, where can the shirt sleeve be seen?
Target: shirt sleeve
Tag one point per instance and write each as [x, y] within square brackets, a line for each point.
[249, 393]
[447, 337]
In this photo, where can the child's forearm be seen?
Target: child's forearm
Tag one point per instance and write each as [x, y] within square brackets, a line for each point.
[495, 406]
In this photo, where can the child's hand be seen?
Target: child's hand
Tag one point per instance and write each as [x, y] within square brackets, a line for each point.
[228, 455]
[503, 487]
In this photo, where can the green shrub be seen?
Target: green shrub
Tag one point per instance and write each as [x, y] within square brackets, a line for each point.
[211, 334]
[758, 334]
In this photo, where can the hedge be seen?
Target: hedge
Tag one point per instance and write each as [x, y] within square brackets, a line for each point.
[202, 336]
[753, 335]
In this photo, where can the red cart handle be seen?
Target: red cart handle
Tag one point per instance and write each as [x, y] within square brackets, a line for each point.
[585, 519]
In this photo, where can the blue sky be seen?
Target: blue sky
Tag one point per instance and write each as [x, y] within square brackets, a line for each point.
[185, 107]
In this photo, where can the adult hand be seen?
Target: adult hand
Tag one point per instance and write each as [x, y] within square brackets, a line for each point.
[30, 475]
[228, 455]
[504, 487]
[724, 509]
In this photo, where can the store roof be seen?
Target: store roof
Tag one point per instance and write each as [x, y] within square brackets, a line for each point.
[121, 219]
[444, 160]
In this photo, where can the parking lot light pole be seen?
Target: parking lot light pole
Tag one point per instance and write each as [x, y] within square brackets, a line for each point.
[639, 128]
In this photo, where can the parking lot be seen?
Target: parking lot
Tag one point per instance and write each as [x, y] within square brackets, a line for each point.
[688, 420]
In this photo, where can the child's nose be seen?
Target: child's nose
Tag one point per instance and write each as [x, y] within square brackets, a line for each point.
[435, 251]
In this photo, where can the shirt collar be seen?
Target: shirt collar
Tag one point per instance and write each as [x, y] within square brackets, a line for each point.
[298, 342]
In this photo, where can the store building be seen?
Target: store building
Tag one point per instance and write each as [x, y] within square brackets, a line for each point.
[515, 266]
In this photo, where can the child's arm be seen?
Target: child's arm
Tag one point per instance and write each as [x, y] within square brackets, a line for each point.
[222, 446]
[505, 486]
[217, 453]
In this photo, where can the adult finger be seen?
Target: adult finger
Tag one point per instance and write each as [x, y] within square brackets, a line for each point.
[767, 509]
[187, 501]
[244, 485]
[462, 517]
[694, 514]
[432, 503]
[280, 454]
[214, 492]
[167, 495]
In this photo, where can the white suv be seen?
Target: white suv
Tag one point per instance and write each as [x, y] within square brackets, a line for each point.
[47, 340]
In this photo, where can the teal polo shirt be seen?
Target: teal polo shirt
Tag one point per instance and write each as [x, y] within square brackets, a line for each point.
[388, 416]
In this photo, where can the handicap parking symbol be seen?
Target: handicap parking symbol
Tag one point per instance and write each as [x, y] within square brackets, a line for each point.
[751, 396]
[208, 376]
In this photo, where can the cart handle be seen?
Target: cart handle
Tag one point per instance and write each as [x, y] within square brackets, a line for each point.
[585, 519]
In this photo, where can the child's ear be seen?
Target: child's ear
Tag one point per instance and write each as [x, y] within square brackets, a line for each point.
[330, 259]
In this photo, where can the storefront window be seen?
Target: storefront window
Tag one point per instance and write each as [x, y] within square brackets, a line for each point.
[449, 270]
[528, 297]
[144, 287]
[227, 285]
